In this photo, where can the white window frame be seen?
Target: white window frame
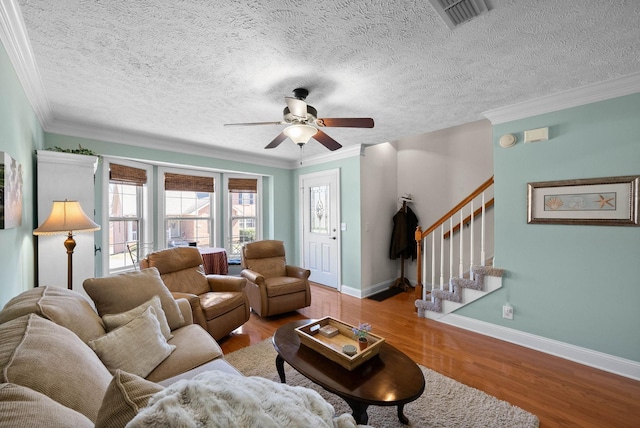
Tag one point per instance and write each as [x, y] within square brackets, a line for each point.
[227, 209]
[216, 227]
[145, 229]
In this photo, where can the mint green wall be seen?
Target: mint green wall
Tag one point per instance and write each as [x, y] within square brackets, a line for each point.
[351, 262]
[576, 284]
[20, 136]
[278, 200]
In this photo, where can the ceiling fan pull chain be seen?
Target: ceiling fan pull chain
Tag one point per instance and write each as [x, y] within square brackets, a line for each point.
[301, 149]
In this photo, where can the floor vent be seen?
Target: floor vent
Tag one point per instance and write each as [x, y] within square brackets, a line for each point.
[457, 12]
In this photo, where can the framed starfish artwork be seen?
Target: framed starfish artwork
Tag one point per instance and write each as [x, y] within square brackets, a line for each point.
[608, 201]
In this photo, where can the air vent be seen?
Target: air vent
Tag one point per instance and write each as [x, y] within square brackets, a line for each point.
[457, 12]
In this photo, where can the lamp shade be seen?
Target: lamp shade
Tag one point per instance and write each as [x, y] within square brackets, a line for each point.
[300, 134]
[66, 217]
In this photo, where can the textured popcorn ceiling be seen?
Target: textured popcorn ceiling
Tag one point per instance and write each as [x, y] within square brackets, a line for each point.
[181, 69]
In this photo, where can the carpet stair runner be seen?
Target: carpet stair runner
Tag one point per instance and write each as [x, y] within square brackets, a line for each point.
[460, 292]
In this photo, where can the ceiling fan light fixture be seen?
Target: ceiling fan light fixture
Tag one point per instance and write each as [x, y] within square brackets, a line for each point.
[300, 133]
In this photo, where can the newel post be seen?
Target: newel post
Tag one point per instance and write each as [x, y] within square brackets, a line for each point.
[419, 286]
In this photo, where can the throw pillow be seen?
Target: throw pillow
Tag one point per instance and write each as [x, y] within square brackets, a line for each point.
[136, 347]
[119, 293]
[64, 307]
[114, 321]
[24, 407]
[41, 355]
[126, 395]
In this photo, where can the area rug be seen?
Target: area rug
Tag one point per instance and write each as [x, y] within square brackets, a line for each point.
[379, 297]
[445, 402]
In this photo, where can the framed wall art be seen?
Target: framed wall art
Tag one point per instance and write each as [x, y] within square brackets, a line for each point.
[10, 192]
[608, 201]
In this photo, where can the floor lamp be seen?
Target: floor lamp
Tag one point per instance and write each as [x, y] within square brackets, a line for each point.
[67, 217]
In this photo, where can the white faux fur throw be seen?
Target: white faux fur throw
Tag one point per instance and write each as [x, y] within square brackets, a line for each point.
[217, 399]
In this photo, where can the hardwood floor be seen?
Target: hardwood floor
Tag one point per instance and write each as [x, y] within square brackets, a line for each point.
[561, 393]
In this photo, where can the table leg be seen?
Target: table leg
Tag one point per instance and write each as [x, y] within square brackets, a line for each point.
[401, 415]
[359, 411]
[280, 368]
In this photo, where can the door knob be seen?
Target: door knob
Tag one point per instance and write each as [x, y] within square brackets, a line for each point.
[333, 237]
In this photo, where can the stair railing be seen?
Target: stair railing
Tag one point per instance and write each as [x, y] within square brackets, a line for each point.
[443, 231]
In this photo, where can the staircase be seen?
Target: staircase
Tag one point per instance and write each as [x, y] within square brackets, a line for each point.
[445, 244]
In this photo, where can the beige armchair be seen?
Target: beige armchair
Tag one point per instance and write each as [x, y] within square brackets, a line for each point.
[219, 302]
[273, 286]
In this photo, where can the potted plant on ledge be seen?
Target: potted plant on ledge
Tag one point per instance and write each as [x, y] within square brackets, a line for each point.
[361, 332]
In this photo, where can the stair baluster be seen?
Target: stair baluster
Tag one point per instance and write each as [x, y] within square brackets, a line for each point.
[467, 248]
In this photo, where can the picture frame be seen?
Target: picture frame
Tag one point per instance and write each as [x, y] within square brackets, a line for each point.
[10, 192]
[607, 201]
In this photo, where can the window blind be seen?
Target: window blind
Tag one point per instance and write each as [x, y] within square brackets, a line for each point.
[188, 183]
[122, 174]
[243, 185]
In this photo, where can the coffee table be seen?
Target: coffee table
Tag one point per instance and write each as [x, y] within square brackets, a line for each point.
[388, 379]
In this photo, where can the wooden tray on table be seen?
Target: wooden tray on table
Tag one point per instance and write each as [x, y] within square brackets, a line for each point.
[331, 347]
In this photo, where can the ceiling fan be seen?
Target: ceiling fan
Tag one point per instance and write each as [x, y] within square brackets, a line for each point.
[303, 123]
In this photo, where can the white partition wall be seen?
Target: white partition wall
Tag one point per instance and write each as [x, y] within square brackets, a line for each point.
[65, 176]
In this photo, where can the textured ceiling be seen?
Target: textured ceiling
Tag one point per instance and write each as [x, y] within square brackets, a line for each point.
[181, 69]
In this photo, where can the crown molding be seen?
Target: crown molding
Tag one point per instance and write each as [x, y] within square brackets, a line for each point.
[621, 86]
[13, 35]
[343, 153]
[157, 142]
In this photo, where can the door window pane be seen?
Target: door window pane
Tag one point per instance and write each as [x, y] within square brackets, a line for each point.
[319, 209]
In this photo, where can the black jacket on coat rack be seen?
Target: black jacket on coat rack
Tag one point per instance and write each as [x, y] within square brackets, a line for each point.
[403, 243]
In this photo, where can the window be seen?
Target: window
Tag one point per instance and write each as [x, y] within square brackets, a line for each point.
[189, 208]
[126, 219]
[243, 214]
[246, 198]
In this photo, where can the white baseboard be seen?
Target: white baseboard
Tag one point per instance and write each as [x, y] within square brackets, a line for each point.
[588, 357]
[350, 291]
[370, 291]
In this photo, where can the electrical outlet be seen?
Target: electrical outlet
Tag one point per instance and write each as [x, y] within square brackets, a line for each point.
[507, 312]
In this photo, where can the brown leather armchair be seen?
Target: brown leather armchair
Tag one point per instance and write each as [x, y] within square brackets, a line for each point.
[219, 303]
[273, 286]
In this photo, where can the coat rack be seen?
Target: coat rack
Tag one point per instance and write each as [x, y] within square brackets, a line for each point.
[402, 282]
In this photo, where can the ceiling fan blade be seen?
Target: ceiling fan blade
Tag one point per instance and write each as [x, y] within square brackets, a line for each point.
[276, 141]
[297, 108]
[327, 141]
[254, 123]
[346, 122]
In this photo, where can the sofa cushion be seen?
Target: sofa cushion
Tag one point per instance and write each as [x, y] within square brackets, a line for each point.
[136, 347]
[181, 269]
[215, 304]
[174, 259]
[194, 347]
[64, 307]
[270, 267]
[190, 280]
[114, 321]
[125, 396]
[284, 285]
[41, 355]
[119, 293]
[24, 407]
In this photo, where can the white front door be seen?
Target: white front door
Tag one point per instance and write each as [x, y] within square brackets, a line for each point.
[320, 201]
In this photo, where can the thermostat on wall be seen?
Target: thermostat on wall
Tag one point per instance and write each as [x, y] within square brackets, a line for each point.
[535, 135]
